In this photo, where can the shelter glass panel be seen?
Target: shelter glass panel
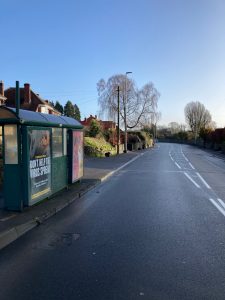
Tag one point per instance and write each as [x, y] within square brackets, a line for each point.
[57, 144]
[11, 145]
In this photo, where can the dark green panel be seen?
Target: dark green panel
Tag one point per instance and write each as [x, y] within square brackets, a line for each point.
[12, 179]
[12, 188]
[59, 173]
[25, 166]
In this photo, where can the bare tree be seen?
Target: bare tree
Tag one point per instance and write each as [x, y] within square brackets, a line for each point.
[139, 104]
[174, 127]
[197, 117]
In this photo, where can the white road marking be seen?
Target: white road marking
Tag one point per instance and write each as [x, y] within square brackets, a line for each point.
[221, 202]
[191, 166]
[121, 167]
[203, 180]
[185, 157]
[177, 165]
[192, 180]
[217, 206]
[171, 156]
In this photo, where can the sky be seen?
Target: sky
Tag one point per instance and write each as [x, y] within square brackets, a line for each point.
[63, 48]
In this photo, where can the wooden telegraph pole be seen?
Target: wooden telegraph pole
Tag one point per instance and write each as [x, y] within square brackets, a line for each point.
[118, 120]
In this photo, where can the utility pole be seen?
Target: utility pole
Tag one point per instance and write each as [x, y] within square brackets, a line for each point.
[17, 98]
[118, 120]
[125, 113]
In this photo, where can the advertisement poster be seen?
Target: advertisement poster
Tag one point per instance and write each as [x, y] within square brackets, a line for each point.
[77, 155]
[40, 164]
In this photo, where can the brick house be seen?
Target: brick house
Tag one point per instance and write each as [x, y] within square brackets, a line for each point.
[29, 100]
[106, 126]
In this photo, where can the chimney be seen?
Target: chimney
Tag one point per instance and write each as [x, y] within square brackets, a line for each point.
[1, 88]
[27, 93]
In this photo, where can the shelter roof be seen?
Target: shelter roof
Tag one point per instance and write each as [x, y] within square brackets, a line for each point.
[8, 115]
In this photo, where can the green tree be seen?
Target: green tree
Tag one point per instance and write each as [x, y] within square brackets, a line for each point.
[69, 110]
[76, 112]
[95, 128]
[52, 103]
[59, 107]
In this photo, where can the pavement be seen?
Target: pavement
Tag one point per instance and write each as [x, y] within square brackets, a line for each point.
[96, 170]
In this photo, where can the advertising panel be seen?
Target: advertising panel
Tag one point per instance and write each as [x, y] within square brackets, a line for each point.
[77, 170]
[39, 164]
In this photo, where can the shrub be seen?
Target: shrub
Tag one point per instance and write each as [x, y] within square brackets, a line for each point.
[133, 138]
[97, 147]
[95, 128]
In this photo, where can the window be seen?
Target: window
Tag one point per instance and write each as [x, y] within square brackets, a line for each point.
[57, 145]
[11, 146]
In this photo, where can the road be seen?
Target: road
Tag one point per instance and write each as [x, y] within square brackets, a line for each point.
[154, 230]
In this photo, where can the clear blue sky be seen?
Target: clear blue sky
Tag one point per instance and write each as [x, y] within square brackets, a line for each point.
[62, 48]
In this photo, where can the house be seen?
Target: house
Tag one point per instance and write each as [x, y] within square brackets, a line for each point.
[29, 100]
[109, 126]
[106, 125]
[2, 97]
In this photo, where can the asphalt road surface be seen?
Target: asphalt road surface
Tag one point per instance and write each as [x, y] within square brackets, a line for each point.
[155, 230]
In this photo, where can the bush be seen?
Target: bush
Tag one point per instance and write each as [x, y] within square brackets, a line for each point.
[97, 147]
[91, 151]
[143, 137]
[95, 128]
[133, 138]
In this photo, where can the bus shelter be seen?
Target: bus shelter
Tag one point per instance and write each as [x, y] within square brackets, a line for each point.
[40, 155]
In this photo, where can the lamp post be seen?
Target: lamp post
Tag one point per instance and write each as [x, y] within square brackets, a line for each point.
[125, 114]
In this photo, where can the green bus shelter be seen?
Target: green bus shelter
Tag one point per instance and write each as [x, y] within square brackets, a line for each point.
[40, 155]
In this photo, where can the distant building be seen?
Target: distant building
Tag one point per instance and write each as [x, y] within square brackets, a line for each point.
[2, 97]
[104, 124]
[28, 100]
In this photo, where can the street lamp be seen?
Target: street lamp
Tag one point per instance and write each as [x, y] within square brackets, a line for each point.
[125, 114]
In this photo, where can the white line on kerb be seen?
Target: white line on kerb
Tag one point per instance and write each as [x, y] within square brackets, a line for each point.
[189, 177]
[221, 202]
[203, 180]
[217, 206]
[191, 166]
[177, 165]
[7, 218]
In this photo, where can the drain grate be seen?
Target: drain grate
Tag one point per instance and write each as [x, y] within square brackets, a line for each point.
[58, 241]
[66, 239]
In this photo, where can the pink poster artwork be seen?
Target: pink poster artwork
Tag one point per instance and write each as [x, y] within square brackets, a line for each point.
[77, 155]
